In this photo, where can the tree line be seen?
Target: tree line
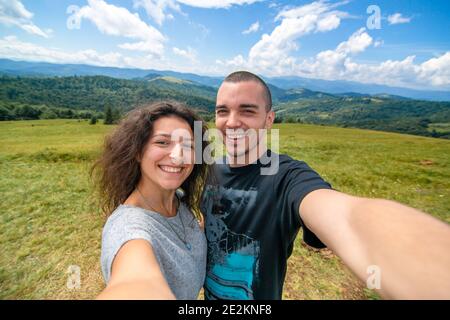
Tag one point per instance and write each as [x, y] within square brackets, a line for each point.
[95, 92]
[20, 111]
[90, 97]
[402, 116]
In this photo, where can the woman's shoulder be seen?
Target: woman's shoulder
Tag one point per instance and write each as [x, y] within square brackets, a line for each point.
[127, 216]
[124, 211]
[130, 217]
[129, 222]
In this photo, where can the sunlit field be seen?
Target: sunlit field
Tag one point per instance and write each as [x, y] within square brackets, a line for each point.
[49, 220]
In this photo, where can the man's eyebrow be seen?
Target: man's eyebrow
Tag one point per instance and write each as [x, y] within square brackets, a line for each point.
[248, 106]
[241, 106]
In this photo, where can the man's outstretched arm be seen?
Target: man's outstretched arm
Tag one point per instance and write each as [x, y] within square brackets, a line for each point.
[411, 249]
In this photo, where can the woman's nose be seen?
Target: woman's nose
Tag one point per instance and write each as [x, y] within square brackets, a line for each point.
[176, 155]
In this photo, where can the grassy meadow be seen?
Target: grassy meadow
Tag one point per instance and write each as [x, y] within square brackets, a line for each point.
[49, 220]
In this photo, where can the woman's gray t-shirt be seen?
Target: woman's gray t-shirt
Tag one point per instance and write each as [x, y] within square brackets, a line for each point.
[183, 269]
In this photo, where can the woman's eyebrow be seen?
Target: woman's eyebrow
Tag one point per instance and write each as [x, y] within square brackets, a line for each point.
[162, 134]
[167, 135]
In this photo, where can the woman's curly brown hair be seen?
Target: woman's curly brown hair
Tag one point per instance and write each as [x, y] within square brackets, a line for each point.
[117, 172]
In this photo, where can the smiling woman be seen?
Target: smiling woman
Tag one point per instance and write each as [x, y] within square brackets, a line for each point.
[153, 245]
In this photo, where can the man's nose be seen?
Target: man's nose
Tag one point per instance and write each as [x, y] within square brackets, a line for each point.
[233, 121]
[176, 155]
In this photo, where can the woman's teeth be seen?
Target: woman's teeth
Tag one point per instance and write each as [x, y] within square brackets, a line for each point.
[170, 169]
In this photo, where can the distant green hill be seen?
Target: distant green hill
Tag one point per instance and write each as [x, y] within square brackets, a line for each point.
[186, 87]
[302, 93]
[377, 113]
[96, 92]
[86, 96]
[43, 69]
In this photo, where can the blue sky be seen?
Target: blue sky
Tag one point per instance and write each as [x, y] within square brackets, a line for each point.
[409, 45]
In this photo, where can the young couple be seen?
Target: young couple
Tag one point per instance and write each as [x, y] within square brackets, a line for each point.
[172, 231]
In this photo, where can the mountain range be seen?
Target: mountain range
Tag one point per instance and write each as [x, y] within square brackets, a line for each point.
[43, 69]
[40, 90]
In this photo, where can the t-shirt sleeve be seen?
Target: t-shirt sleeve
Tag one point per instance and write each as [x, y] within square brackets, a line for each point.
[123, 226]
[299, 181]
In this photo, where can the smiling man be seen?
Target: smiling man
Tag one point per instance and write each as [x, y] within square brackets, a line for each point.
[252, 219]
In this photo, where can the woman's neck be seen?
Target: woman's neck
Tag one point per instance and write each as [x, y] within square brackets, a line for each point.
[153, 198]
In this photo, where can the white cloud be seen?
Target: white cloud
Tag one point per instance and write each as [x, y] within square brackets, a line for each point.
[273, 50]
[397, 18]
[11, 47]
[189, 54]
[14, 13]
[437, 70]
[378, 43]
[237, 62]
[253, 28]
[118, 21]
[156, 9]
[273, 5]
[201, 31]
[358, 42]
[328, 23]
[144, 46]
[390, 72]
[231, 65]
[274, 53]
[338, 65]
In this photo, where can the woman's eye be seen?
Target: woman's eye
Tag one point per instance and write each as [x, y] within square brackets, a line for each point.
[163, 143]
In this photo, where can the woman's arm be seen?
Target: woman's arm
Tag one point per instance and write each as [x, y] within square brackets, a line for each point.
[136, 274]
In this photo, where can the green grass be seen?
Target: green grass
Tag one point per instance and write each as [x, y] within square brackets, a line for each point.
[49, 221]
[409, 169]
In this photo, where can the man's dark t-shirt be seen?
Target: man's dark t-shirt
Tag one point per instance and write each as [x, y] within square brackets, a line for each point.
[251, 223]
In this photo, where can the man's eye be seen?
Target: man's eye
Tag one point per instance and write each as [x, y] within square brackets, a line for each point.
[221, 111]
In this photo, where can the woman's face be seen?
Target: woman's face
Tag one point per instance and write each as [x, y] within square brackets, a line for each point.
[168, 157]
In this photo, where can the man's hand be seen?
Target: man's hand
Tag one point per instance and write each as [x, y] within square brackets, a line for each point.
[409, 247]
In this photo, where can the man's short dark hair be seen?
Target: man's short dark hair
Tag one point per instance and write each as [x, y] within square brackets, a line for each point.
[241, 76]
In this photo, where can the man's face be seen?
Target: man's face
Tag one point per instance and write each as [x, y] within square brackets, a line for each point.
[240, 107]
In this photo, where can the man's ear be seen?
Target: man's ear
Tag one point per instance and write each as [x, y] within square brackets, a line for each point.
[270, 119]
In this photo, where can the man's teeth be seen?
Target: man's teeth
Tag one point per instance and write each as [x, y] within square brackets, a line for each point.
[235, 135]
[170, 169]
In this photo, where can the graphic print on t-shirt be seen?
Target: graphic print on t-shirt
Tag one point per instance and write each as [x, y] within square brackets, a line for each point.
[232, 258]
